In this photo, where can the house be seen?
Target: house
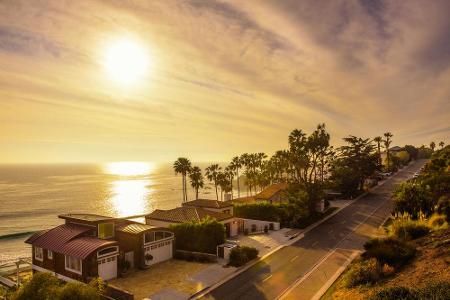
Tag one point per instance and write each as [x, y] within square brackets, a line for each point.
[212, 205]
[272, 193]
[88, 246]
[186, 213]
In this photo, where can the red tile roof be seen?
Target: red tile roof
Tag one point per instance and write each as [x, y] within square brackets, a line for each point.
[271, 190]
[208, 203]
[186, 214]
[68, 239]
[242, 200]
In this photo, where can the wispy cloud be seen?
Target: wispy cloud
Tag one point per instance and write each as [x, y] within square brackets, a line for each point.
[228, 76]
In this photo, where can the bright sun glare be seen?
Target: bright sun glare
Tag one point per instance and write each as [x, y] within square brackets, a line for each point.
[126, 61]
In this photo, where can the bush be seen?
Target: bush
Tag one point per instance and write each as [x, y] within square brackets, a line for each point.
[258, 211]
[413, 199]
[397, 293]
[240, 255]
[438, 222]
[41, 286]
[406, 229]
[203, 236]
[362, 272]
[443, 206]
[78, 291]
[391, 251]
[434, 291]
[44, 286]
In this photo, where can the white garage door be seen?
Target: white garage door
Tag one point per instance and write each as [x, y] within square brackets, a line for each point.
[160, 252]
[107, 267]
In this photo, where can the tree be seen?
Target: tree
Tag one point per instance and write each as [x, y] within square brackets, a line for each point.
[432, 146]
[235, 165]
[441, 144]
[356, 160]
[306, 155]
[196, 177]
[182, 166]
[387, 143]
[413, 151]
[378, 140]
[212, 173]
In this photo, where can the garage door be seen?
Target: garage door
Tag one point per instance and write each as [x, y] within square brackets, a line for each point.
[107, 267]
[159, 252]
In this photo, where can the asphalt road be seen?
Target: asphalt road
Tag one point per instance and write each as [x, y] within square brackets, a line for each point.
[277, 274]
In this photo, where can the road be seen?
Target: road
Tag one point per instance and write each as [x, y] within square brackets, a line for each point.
[289, 272]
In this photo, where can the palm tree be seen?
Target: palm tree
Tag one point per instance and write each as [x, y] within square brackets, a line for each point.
[212, 173]
[387, 143]
[378, 140]
[196, 177]
[229, 174]
[441, 144]
[235, 165]
[182, 166]
[432, 146]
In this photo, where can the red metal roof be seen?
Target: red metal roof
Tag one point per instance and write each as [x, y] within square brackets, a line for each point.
[68, 239]
[81, 247]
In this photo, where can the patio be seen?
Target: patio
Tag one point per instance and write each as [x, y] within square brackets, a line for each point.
[166, 280]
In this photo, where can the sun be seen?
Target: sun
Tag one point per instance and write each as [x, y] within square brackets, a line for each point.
[126, 61]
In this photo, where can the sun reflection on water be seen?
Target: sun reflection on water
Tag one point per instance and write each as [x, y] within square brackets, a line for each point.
[130, 195]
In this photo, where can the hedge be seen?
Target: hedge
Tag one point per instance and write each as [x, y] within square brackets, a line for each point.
[203, 236]
[263, 211]
[240, 255]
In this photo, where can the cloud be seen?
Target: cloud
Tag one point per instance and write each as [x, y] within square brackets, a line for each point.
[228, 76]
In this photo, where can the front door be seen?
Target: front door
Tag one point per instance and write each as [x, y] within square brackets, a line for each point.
[107, 267]
[129, 257]
[228, 229]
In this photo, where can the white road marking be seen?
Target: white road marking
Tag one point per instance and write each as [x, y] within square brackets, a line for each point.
[294, 258]
[267, 278]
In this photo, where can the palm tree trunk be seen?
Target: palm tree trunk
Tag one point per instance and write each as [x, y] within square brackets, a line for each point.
[182, 184]
[237, 174]
[196, 193]
[217, 193]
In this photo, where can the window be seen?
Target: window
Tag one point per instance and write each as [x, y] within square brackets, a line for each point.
[159, 235]
[106, 230]
[73, 264]
[149, 237]
[107, 251]
[38, 253]
[168, 234]
[50, 254]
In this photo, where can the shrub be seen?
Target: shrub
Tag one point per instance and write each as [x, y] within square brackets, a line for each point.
[387, 270]
[362, 272]
[78, 291]
[435, 291]
[44, 286]
[396, 292]
[203, 236]
[390, 250]
[438, 222]
[443, 206]
[407, 229]
[240, 255]
[41, 286]
[258, 211]
[413, 199]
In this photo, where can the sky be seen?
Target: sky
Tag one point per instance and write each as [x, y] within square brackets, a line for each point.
[221, 77]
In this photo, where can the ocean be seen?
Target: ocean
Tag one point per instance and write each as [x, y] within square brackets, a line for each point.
[32, 196]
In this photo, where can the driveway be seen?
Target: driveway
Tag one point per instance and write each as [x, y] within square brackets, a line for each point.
[281, 274]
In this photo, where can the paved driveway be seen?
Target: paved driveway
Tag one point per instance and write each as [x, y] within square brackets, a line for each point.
[280, 272]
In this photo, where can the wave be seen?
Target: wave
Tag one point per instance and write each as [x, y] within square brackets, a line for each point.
[16, 235]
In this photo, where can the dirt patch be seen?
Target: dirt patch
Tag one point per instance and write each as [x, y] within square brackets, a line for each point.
[169, 274]
[431, 264]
